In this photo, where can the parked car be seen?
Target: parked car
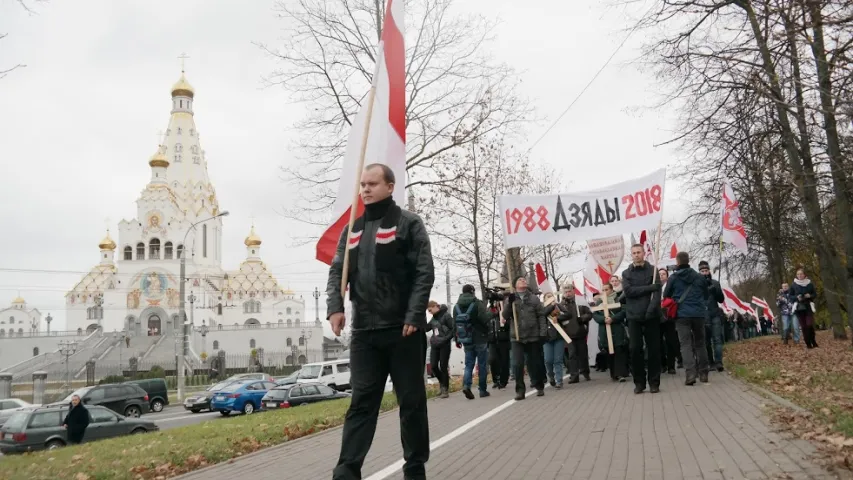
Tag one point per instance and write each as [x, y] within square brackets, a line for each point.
[333, 373]
[127, 399]
[251, 376]
[287, 380]
[201, 401]
[41, 428]
[297, 394]
[11, 404]
[243, 397]
[158, 393]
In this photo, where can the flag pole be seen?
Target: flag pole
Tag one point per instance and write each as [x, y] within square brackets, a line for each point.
[354, 205]
[510, 268]
[720, 272]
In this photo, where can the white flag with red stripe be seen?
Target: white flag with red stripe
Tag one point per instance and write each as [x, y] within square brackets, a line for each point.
[386, 140]
[646, 242]
[733, 231]
[765, 307]
[542, 280]
[735, 303]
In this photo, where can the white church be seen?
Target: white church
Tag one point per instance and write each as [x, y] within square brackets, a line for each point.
[178, 213]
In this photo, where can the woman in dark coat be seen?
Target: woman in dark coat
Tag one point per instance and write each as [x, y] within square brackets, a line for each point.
[76, 421]
[802, 298]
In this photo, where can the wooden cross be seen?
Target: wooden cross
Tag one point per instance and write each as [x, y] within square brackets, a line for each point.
[553, 319]
[183, 56]
[605, 306]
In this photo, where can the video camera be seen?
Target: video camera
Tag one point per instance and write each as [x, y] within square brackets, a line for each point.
[495, 295]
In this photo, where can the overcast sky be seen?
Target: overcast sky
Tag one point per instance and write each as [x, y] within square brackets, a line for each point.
[78, 124]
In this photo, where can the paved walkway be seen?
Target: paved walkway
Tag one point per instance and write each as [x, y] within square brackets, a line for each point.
[592, 430]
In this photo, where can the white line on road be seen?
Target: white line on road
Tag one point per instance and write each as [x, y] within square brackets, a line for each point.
[398, 465]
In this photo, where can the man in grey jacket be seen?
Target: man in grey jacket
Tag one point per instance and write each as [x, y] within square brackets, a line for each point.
[391, 275]
[532, 328]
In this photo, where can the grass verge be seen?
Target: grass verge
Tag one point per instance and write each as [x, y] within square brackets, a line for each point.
[173, 452]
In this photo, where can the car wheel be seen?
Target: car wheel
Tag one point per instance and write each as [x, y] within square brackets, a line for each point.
[138, 431]
[225, 413]
[333, 386]
[132, 412]
[54, 444]
[195, 410]
[157, 406]
[248, 408]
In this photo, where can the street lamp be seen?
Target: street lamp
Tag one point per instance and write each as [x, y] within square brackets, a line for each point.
[181, 334]
[66, 349]
[48, 320]
[316, 306]
[203, 330]
[306, 334]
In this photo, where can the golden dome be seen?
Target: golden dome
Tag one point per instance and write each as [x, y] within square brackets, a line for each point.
[288, 291]
[107, 243]
[18, 300]
[253, 240]
[158, 160]
[183, 88]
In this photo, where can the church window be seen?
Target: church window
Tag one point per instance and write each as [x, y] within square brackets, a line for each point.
[140, 251]
[194, 148]
[252, 343]
[167, 252]
[204, 241]
[252, 306]
[168, 131]
[79, 331]
[301, 341]
[2, 332]
[280, 321]
[196, 160]
[179, 148]
[11, 320]
[177, 158]
[289, 342]
[35, 351]
[192, 132]
[289, 311]
[182, 106]
[289, 322]
[20, 332]
[179, 128]
[154, 249]
[216, 344]
[128, 253]
[180, 252]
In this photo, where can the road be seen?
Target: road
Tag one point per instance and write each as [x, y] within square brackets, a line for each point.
[173, 417]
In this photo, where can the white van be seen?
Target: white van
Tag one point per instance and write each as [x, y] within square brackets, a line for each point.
[334, 373]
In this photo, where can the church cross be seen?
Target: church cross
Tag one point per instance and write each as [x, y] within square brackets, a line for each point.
[606, 306]
[252, 218]
[183, 56]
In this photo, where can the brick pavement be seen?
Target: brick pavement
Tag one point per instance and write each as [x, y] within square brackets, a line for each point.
[592, 430]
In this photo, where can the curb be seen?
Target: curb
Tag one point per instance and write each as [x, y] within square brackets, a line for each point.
[771, 396]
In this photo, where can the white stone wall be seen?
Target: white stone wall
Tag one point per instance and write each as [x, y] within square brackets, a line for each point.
[15, 350]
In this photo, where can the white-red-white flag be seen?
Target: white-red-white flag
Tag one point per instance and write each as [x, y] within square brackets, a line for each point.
[386, 140]
[646, 241]
[542, 280]
[580, 296]
[731, 299]
[594, 274]
[765, 307]
[733, 231]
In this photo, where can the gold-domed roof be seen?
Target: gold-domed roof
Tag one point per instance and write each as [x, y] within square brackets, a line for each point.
[288, 291]
[183, 88]
[253, 240]
[18, 300]
[158, 159]
[107, 243]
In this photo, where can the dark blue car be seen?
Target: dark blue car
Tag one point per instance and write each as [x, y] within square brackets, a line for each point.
[242, 396]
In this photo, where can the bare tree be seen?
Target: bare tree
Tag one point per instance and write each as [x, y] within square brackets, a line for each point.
[28, 7]
[455, 94]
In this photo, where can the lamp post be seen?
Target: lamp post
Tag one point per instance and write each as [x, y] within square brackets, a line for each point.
[181, 334]
[306, 334]
[192, 298]
[203, 330]
[316, 305]
[294, 353]
[48, 320]
[66, 349]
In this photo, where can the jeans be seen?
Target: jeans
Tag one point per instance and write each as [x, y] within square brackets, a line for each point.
[578, 357]
[691, 333]
[644, 337]
[553, 350]
[714, 331]
[792, 326]
[375, 354]
[533, 352]
[439, 357]
[476, 353]
[499, 362]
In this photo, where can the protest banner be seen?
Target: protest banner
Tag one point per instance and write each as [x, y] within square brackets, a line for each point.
[531, 220]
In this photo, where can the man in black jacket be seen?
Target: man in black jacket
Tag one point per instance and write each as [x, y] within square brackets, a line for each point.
[713, 322]
[391, 274]
[532, 328]
[575, 321]
[499, 347]
[642, 307]
[689, 290]
[443, 331]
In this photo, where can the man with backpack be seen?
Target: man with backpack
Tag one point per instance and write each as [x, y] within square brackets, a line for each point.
[472, 320]
[689, 290]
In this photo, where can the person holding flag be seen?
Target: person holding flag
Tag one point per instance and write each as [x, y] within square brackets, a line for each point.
[574, 318]
[713, 321]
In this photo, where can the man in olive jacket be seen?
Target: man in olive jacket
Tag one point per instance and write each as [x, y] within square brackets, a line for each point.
[641, 288]
[532, 328]
[391, 274]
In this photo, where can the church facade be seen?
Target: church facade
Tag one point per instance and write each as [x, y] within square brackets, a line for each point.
[134, 288]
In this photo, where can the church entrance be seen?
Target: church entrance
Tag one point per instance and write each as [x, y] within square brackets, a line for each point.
[155, 327]
[91, 328]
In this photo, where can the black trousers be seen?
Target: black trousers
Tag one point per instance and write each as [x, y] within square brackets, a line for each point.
[578, 357]
[669, 344]
[375, 354]
[618, 362]
[536, 364]
[499, 362]
[644, 335]
[439, 357]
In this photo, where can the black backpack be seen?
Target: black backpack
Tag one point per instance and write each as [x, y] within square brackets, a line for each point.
[464, 327]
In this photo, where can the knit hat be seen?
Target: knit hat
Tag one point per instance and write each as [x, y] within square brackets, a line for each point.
[704, 264]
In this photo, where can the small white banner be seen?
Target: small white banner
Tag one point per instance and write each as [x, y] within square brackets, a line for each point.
[626, 207]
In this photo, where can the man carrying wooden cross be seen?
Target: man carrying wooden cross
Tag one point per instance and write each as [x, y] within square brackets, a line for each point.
[611, 316]
[641, 287]
[526, 339]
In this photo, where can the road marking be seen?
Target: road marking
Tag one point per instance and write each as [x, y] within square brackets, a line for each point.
[398, 465]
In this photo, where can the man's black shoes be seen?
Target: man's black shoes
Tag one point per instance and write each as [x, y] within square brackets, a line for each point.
[485, 393]
[574, 380]
[654, 389]
[638, 390]
[540, 392]
[519, 396]
[468, 393]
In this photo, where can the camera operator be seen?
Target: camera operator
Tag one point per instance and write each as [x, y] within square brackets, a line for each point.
[499, 340]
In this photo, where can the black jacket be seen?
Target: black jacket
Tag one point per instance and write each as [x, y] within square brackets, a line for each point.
[796, 290]
[715, 297]
[642, 296]
[498, 333]
[574, 325]
[442, 326]
[390, 299]
[479, 317]
[696, 298]
[76, 422]
[531, 318]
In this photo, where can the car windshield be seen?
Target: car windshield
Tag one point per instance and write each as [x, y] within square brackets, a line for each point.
[233, 387]
[219, 386]
[80, 393]
[16, 422]
[310, 371]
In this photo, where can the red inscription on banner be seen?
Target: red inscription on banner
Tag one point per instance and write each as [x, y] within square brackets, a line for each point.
[528, 219]
[642, 203]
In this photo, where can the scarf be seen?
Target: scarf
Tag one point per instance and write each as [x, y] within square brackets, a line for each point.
[388, 213]
[804, 282]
